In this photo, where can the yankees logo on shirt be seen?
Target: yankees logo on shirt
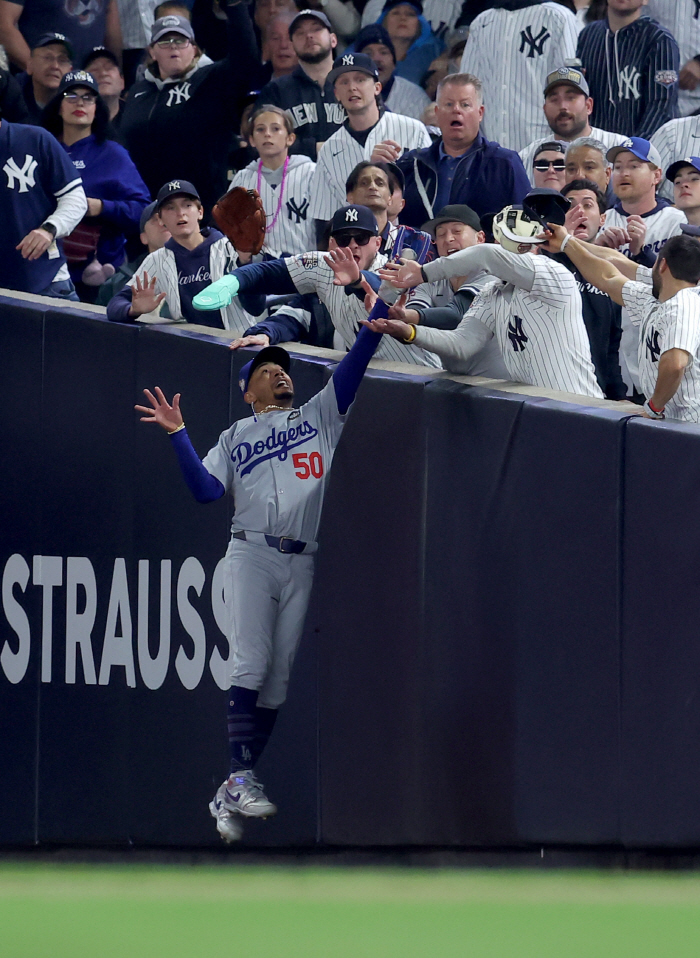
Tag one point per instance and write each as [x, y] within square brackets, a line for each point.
[341, 153]
[673, 324]
[512, 52]
[310, 273]
[178, 94]
[290, 229]
[20, 178]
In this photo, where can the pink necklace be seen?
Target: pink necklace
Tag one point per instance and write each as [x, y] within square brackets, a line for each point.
[279, 201]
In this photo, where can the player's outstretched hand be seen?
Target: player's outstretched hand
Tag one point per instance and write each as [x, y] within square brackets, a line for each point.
[218, 294]
[258, 339]
[343, 264]
[404, 276]
[143, 296]
[161, 412]
[614, 237]
[392, 327]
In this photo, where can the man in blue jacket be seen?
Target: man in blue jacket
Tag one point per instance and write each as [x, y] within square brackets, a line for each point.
[462, 166]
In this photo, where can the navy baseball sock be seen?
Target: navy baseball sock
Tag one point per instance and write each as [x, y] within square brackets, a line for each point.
[241, 726]
[264, 723]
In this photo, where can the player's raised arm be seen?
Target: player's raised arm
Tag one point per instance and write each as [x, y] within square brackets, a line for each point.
[601, 272]
[203, 486]
[510, 267]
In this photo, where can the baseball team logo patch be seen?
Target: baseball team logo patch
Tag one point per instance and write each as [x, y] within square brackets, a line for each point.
[666, 77]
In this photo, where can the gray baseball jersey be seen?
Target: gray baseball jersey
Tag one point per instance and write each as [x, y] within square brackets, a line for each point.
[310, 273]
[528, 154]
[676, 140]
[674, 324]
[534, 311]
[290, 229]
[662, 223]
[512, 52]
[341, 153]
[682, 19]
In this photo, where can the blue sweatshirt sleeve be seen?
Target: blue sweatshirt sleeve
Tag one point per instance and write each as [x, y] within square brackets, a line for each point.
[203, 486]
[280, 328]
[270, 277]
[119, 306]
[125, 212]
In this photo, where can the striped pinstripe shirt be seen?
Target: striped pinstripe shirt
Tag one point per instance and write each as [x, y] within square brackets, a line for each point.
[682, 19]
[632, 75]
[676, 140]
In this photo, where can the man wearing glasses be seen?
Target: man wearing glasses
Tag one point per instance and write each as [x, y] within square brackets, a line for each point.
[354, 243]
[48, 63]
[567, 108]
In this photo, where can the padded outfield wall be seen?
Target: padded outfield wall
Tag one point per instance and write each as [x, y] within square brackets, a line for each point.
[502, 646]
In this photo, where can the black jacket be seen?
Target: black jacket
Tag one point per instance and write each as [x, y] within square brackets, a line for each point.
[183, 128]
[315, 111]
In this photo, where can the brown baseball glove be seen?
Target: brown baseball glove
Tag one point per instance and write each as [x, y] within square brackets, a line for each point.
[239, 214]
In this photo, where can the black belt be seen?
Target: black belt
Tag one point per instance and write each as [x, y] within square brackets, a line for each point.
[282, 543]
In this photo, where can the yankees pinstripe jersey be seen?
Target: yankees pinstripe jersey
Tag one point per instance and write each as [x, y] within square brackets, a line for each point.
[675, 141]
[662, 223]
[222, 259]
[310, 273]
[341, 153]
[536, 317]
[293, 229]
[528, 154]
[632, 75]
[512, 52]
[682, 19]
[439, 13]
[674, 324]
[406, 98]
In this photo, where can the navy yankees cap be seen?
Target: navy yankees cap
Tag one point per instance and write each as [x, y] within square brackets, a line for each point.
[638, 147]
[269, 354]
[309, 14]
[78, 78]
[98, 52]
[351, 62]
[48, 38]
[146, 215]
[390, 4]
[354, 218]
[674, 168]
[690, 229]
[374, 33]
[546, 206]
[567, 75]
[456, 213]
[171, 24]
[176, 188]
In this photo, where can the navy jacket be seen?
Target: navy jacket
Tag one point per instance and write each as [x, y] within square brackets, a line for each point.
[487, 179]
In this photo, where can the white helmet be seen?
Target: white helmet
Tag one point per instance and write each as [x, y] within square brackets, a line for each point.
[515, 231]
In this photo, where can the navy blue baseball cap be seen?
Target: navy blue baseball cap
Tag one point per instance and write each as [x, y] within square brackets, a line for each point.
[642, 149]
[176, 188]
[78, 78]
[374, 33]
[146, 215]
[98, 52]
[672, 171]
[354, 218]
[48, 38]
[269, 354]
[546, 206]
[310, 15]
[690, 229]
[351, 62]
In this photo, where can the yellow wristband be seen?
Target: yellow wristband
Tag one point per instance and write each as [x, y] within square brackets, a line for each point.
[171, 432]
[411, 336]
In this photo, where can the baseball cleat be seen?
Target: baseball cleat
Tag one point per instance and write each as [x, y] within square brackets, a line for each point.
[244, 794]
[228, 823]
[218, 294]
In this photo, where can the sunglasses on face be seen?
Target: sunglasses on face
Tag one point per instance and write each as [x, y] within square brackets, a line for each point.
[345, 237]
[75, 98]
[543, 165]
[177, 42]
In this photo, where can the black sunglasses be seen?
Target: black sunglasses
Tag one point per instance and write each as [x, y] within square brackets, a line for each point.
[345, 237]
[543, 165]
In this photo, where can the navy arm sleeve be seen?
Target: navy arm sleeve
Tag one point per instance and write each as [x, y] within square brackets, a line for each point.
[203, 486]
[280, 328]
[118, 307]
[270, 277]
[350, 370]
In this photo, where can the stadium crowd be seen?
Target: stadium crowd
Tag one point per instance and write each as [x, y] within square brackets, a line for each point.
[123, 121]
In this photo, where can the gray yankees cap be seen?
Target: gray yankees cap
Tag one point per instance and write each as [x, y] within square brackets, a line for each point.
[567, 75]
[456, 213]
[171, 24]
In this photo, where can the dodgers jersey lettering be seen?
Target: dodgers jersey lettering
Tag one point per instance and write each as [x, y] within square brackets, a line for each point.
[276, 466]
[674, 324]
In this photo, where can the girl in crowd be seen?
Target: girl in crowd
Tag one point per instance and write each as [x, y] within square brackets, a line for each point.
[79, 119]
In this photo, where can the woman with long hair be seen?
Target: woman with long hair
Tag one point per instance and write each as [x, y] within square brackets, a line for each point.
[79, 119]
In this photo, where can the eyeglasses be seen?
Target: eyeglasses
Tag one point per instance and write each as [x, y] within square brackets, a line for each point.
[543, 165]
[52, 58]
[178, 42]
[345, 238]
[86, 98]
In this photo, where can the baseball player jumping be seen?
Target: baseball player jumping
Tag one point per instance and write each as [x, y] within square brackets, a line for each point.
[275, 464]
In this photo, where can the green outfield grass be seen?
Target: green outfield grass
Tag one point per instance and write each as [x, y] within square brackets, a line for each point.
[216, 912]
